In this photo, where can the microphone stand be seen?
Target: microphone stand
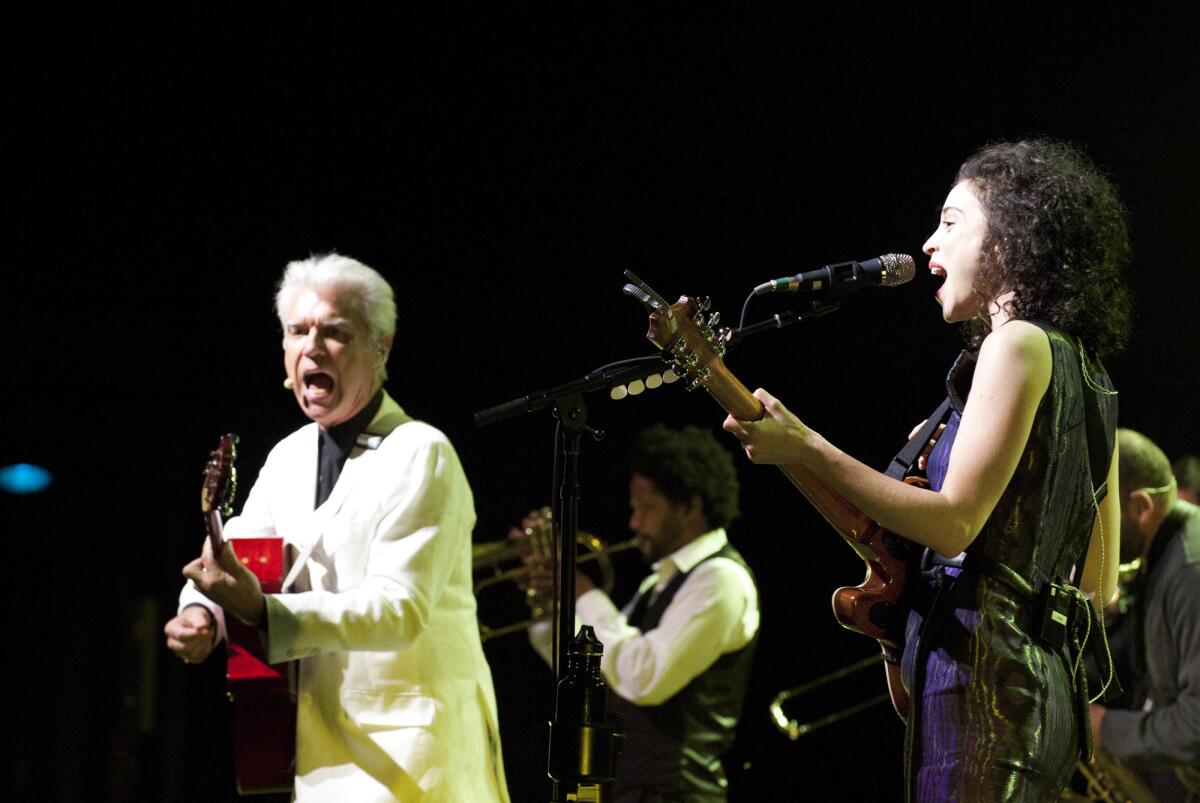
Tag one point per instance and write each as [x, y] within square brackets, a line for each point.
[584, 745]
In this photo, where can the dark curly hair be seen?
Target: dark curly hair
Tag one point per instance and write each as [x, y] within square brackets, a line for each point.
[1057, 237]
[686, 463]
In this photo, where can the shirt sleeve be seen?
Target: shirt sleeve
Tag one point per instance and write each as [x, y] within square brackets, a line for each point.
[422, 530]
[714, 612]
[1168, 733]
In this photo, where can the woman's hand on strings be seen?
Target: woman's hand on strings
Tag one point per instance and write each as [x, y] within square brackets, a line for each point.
[923, 459]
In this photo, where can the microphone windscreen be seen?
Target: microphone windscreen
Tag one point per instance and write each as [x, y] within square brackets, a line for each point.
[897, 269]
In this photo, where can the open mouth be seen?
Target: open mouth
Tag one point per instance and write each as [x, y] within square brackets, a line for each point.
[318, 384]
[938, 272]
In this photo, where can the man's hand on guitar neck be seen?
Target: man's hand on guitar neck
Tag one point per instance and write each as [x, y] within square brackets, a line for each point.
[229, 584]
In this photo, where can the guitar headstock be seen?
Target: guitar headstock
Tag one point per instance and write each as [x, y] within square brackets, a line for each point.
[220, 478]
[693, 342]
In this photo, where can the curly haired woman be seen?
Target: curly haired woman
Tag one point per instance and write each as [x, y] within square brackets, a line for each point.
[1031, 245]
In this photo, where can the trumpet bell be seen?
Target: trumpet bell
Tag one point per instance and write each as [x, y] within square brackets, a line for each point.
[497, 563]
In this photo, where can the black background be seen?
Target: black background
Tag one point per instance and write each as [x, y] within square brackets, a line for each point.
[501, 168]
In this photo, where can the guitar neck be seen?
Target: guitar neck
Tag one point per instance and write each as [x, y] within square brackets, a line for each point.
[216, 532]
[216, 495]
[739, 402]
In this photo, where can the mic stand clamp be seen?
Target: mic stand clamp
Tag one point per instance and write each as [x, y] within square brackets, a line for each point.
[819, 308]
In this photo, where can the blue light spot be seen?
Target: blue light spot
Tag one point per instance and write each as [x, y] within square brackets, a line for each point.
[23, 478]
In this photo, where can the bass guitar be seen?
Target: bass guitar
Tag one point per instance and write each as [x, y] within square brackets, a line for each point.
[696, 347]
[263, 709]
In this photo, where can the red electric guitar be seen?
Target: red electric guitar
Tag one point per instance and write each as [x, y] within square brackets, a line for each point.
[696, 346]
[264, 709]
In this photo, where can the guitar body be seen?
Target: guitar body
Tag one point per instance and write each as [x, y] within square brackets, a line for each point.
[867, 608]
[872, 608]
[263, 707]
[876, 607]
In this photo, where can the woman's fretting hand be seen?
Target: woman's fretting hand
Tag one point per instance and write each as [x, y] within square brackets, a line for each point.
[778, 437]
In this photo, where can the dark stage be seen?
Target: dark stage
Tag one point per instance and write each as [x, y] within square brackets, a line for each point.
[501, 169]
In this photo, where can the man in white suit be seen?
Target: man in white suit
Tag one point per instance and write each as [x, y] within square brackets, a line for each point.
[394, 696]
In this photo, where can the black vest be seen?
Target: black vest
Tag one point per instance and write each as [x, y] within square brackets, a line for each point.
[674, 750]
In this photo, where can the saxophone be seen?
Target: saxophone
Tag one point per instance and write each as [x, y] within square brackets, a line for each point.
[1104, 776]
[1108, 780]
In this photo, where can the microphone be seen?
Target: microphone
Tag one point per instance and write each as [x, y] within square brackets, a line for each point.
[888, 270]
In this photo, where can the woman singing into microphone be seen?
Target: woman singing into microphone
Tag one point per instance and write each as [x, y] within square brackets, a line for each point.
[1031, 245]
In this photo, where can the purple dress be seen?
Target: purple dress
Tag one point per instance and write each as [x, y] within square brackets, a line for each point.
[996, 711]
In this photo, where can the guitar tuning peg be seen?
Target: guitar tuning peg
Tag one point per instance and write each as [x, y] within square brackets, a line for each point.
[669, 377]
[714, 319]
[636, 387]
[697, 378]
[617, 393]
[654, 381]
[704, 303]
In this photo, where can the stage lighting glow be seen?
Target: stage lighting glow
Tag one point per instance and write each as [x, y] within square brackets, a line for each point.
[24, 478]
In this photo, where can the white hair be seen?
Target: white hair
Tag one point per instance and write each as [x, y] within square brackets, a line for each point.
[368, 291]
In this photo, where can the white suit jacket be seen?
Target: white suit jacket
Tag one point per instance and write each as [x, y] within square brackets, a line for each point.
[394, 696]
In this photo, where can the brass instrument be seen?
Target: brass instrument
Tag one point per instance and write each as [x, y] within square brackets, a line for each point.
[794, 730]
[495, 561]
[1106, 778]
[1127, 574]
[1109, 780]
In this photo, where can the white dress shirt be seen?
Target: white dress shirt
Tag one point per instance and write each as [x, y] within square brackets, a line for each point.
[714, 612]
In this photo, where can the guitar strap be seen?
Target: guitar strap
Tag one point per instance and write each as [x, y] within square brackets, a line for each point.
[1099, 457]
[902, 464]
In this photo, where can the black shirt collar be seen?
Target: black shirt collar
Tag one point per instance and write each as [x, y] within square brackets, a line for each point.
[335, 444]
[344, 435]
